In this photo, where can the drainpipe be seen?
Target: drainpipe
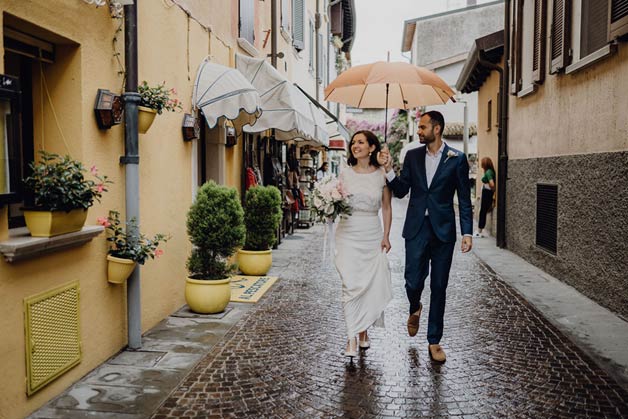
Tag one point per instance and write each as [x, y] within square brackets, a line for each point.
[317, 25]
[131, 161]
[502, 138]
[273, 33]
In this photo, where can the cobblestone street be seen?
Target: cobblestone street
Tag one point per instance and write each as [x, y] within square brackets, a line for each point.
[285, 358]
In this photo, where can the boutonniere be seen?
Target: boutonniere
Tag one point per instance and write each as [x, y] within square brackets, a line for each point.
[450, 154]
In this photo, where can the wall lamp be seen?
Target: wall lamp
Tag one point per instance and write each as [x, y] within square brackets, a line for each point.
[190, 127]
[108, 109]
[230, 133]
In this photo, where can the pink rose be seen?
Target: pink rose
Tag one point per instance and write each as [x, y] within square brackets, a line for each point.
[103, 221]
[158, 252]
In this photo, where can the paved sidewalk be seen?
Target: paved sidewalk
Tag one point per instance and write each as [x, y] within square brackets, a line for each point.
[283, 357]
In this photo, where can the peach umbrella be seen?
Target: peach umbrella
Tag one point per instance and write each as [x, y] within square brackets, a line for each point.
[384, 85]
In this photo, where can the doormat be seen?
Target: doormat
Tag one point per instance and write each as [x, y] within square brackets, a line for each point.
[249, 289]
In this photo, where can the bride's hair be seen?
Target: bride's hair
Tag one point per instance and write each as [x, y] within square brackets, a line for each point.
[372, 140]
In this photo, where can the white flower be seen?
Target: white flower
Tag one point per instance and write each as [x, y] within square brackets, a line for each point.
[450, 154]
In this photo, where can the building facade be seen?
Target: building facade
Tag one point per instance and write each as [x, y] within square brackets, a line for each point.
[567, 144]
[62, 52]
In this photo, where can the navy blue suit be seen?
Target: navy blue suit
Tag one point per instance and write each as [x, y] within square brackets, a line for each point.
[430, 240]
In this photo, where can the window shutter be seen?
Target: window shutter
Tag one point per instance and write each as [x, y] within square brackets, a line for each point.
[298, 24]
[538, 59]
[335, 16]
[618, 25]
[593, 31]
[516, 46]
[312, 45]
[247, 20]
[285, 15]
[559, 34]
[319, 58]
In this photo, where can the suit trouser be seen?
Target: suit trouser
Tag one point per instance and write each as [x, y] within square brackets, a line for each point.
[423, 251]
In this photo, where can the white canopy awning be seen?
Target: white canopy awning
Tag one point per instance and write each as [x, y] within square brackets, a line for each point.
[223, 92]
[284, 107]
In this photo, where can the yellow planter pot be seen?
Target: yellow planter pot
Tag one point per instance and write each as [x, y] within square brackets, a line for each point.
[145, 118]
[119, 269]
[255, 263]
[53, 223]
[207, 296]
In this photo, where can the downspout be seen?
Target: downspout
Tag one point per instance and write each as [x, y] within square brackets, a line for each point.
[502, 148]
[273, 33]
[131, 161]
[317, 25]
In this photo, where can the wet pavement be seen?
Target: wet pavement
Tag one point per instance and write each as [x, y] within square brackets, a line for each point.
[285, 357]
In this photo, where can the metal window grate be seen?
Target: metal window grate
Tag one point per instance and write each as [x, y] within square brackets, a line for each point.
[52, 335]
[546, 216]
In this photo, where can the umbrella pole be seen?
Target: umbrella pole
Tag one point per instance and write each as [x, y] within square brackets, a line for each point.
[386, 116]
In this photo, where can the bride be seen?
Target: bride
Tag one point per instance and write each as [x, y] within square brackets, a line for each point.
[361, 245]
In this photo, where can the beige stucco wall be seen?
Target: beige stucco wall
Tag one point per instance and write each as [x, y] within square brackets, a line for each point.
[577, 113]
[84, 64]
[487, 140]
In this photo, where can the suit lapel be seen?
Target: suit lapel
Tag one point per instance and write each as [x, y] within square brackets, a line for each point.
[422, 167]
[439, 169]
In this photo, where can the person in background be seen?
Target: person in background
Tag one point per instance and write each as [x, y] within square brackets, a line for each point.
[322, 171]
[488, 191]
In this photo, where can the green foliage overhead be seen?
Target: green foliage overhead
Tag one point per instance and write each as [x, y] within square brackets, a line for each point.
[215, 225]
[59, 184]
[262, 215]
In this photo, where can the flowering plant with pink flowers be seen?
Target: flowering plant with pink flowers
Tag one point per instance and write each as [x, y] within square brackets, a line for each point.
[59, 183]
[123, 245]
[330, 199]
[158, 97]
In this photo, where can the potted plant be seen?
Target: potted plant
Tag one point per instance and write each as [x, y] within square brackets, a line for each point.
[262, 215]
[61, 195]
[154, 100]
[125, 251]
[215, 226]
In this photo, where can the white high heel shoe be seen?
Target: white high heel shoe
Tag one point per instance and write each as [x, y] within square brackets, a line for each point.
[364, 344]
[352, 348]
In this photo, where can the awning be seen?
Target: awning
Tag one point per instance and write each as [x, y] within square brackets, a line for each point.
[284, 107]
[334, 126]
[223, 92]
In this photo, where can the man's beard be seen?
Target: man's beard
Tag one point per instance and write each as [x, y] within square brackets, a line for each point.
[426, 140]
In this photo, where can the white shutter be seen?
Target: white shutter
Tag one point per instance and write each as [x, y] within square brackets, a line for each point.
[247, 20]
[298, 24]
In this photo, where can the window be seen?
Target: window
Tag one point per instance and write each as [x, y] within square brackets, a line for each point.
[298, 24]
[618, 18]
[285, 15]
[320, 67]
[527, 58]
[589, 34]
[489, 115]
[246, 25]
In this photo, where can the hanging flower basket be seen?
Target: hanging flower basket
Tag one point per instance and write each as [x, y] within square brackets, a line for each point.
[145, 118]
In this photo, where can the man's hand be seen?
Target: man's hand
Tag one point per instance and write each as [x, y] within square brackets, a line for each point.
[467, 244]
[384, 158]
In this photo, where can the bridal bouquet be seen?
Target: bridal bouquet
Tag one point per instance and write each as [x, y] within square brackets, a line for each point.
[329, 199]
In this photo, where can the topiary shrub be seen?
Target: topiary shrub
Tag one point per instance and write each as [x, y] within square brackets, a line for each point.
[215, 225]
[262, 215]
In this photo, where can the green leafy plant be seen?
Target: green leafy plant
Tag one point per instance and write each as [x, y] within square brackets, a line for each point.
[215, 225]
[123, 245]
[158, 97]
[262, 215]
[59, 184]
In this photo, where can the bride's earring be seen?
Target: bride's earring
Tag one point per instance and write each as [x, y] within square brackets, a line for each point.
[370, 153]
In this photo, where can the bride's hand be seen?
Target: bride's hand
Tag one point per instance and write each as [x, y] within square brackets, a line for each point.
[386, 245]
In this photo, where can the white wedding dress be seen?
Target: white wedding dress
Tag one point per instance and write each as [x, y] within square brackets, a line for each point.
[360, 261]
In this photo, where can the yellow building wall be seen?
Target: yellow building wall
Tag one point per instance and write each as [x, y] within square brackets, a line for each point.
[171, 46]
[577, 113]
[487, 139]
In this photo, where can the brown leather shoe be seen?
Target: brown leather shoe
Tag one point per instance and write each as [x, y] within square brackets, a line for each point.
[413, 321]
[437, 354]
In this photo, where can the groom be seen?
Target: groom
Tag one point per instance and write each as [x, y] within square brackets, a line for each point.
[432, 174]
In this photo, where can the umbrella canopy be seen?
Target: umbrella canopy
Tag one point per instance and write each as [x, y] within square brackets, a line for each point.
[223, 92]
[285, 108]
[383, 85]
[388, 85]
